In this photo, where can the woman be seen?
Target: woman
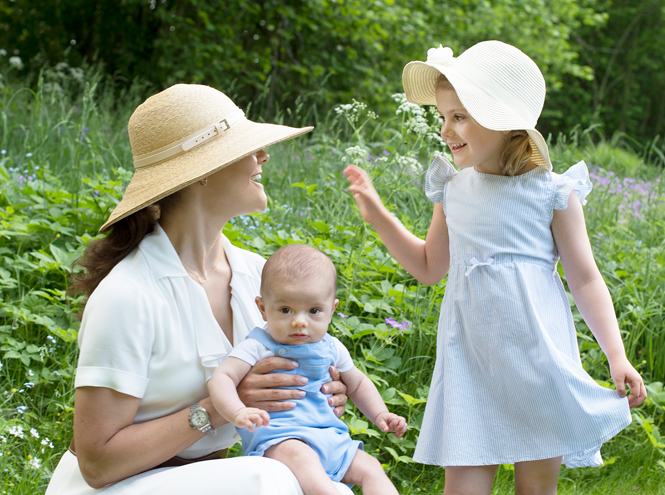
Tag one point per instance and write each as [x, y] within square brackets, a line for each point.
[169, 297]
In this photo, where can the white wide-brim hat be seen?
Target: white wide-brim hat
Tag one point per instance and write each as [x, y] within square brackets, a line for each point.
[500, 86]
[183, 134]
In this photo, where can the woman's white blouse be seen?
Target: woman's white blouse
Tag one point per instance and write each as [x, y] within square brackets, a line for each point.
[148, 331]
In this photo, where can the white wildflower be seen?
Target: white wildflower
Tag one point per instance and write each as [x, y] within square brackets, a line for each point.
[409, 163]
[16, 62]
[35, 463]
[17, 431]
[34, 433]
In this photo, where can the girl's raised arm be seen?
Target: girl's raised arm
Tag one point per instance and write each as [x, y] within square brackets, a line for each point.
[429, 260]
[592, 297]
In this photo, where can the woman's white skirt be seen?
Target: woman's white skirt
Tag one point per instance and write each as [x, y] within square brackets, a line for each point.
[235, 476]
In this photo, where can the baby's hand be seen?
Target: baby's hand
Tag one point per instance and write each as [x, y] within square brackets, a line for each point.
[388, 421]
[624, 374]
[250, 416]
[368, 200]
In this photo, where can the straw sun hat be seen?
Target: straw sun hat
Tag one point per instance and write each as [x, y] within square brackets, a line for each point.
[500, 86]
[183, 134]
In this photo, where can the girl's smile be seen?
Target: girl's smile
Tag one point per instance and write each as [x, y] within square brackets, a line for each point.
[471, 144]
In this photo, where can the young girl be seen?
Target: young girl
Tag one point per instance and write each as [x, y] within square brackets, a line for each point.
[508, 385]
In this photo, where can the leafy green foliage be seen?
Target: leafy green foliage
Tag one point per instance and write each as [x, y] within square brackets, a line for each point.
[62, 170]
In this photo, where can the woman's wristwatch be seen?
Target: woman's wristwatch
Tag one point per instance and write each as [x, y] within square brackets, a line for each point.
[200, 420]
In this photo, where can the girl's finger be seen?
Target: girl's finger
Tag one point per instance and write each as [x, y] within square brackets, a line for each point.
[621, 386]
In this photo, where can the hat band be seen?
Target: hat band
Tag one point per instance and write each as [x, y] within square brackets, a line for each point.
[189, 142]
[484, 81]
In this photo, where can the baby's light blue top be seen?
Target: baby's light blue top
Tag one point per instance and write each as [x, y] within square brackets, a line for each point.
[508, 384]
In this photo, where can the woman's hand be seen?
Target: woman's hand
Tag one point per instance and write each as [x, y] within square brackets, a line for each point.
[369, 203]
[261, 390]
[338, 389]
[624, 374]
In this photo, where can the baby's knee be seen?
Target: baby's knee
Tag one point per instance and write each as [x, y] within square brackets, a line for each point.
[364, 468]
[290, 449]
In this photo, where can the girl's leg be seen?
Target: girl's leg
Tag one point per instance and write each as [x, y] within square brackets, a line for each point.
[469, 480]
[368, 473]
[306, 466]
[537, 477]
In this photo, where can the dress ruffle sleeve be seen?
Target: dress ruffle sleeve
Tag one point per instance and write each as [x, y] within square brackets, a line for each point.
[438, 174]
[576, 178]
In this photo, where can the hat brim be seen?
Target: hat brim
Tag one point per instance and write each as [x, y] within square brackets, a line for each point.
[419, 79]
[152, 183]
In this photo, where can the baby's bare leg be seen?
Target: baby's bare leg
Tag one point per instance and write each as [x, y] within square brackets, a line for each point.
[368, 473]
[304, 462]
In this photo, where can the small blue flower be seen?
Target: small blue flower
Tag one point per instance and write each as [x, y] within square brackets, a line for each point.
[28, 155]
[342, 315]
[3, 152]
[22, 409]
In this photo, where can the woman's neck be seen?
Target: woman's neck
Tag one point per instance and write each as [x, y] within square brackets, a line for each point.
[195, 234]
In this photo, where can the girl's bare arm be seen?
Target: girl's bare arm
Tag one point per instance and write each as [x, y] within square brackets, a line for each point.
[427, 260]
[592, 297]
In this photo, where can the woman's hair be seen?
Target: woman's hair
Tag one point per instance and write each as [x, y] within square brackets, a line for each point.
[103, 254]
[517, 150]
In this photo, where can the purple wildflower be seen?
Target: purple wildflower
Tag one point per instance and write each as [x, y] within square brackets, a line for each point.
[343, 315]
[395, 324]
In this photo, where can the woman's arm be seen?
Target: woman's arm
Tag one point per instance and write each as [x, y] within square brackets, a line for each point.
[429, 260]
[109, 447]
[592, 296]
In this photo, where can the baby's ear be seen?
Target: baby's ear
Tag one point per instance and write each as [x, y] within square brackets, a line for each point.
[335, 304]
[261, 306]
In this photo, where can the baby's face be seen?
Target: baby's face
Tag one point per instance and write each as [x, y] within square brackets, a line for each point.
[298, 313]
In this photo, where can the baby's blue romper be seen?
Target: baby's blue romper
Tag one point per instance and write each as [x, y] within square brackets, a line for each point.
[312, 420]
[508, 383]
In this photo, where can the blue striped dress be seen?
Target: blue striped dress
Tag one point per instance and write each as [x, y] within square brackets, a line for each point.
[508, 385]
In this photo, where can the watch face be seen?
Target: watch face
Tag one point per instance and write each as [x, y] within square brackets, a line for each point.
[199, 418]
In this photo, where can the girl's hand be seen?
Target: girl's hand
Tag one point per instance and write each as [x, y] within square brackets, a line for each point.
[368, 200]
[248, 417]
[624, 374]
[388, 421]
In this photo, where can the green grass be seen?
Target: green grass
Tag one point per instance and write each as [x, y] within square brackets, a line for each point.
[62, 172]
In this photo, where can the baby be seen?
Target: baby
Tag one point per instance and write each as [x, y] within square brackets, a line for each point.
[297, 302]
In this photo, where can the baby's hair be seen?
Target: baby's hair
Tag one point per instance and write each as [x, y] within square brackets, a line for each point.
[517, 150]
[294, 263]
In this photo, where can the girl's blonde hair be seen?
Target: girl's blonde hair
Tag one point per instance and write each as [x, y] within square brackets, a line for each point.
[516, 152]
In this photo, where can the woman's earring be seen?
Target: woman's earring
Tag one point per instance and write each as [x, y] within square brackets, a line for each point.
[204, 181]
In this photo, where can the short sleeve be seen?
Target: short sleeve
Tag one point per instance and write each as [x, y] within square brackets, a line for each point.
[116, 337]
[438, 174]
[344, 361]
[576, 178]
[251, 351]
